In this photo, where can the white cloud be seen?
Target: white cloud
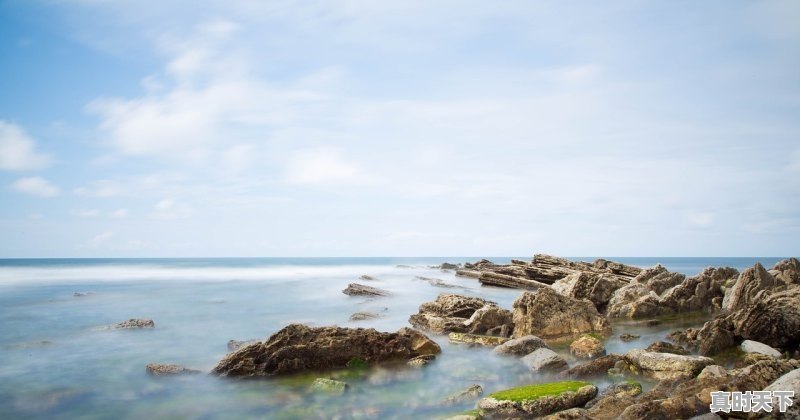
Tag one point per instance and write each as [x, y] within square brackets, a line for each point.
[18, 150]
[100, 188]
[37, 186]
[165, 204]
[322, 166]
[119, 213]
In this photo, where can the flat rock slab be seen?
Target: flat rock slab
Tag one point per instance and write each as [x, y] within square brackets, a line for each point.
[667, 365]
[483, 340]
[355, 289]
[544, 399]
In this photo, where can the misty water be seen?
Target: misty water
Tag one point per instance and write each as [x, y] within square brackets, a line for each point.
[59, 361]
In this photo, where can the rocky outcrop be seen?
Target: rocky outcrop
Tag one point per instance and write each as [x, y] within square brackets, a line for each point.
[135, 323]
[750, 346]
[545, 313]
[787, 271]
[544, 360]
[597, 288]
[156, 369]
[772, 318]
[666, 365]
[298, 348]
[587, 347]
[463, 314]
[521, 346]
[595, 368]
[657, 291]
[420, 361]
[749, 283]
[355, 289]
[543, 400]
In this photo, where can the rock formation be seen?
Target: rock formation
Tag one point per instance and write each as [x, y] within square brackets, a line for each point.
[544, 313]
[463, 314]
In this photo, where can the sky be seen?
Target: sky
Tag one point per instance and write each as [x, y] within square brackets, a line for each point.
[399, 128]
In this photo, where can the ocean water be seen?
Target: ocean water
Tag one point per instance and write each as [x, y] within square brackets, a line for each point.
[58, 361]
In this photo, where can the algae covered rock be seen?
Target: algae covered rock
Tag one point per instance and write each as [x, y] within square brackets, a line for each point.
[298, 348]
[537, 400]
[329, 386]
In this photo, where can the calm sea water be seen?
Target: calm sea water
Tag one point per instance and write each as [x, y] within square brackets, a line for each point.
[59, 362]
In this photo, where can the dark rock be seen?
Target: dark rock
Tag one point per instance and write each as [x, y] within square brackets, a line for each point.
[772, 318]
[135, 323]
[545, 313]
[355, 289]
[298, 348]
[628, 337]
[448, 266]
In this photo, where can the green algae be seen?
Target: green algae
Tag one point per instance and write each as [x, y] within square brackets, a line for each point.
[532, 392]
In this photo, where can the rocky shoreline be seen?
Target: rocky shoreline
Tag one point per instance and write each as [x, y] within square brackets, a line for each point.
[754, 314]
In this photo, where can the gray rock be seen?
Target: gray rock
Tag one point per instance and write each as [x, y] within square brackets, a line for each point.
[355, 289]
[750, 346]
[545, 313]
[363, 316]
[521, 346]
[544, 360]
[667, 365]
[156, 369]
[135, 323]
[234, 345]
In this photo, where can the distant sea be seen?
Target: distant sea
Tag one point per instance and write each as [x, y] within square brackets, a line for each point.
[59, 360]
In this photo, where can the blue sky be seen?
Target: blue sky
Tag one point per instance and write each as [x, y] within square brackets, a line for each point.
[413, 128]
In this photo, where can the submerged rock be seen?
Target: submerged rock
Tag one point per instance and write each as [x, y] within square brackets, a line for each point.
[469, 394]
[545, 313]
[156, 369]
[367, 277]
[628, 337]
[355, 289]
[666, 365]
[439, 283]
[135, 323]
[521, 346]
[587, 347]
[448, 266]
[462, 314]
[545, 360]
[537, 400]
[329, 386]
[363, 316]
[298, 348]
[423, 360]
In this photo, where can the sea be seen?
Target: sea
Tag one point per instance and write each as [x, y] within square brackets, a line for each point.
[59, 359]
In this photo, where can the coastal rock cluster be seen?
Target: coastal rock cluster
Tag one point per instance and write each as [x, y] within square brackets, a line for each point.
[463, 314]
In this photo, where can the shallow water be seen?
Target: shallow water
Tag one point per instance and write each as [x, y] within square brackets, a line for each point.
[59, 361]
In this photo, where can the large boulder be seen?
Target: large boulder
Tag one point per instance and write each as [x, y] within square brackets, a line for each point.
[462, 314]
[772, 318]
[544, 360]
[545, 313]
[787, 382]
[597, 288]
[666, 365]
[521, 346]
[537, 400]
[298, 348]
[749, 283]
[355, 289]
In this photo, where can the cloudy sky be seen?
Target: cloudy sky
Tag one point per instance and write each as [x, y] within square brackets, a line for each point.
[408, 128]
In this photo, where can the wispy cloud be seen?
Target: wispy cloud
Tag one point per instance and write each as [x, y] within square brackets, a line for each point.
[18, 150]
[36, 186]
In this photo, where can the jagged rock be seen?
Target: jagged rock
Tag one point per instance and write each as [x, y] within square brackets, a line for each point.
[490, 278]
[483, 340]
[545, 313]
[297, 348]
[329, 386]
[544, 399]
[703, 292]
[469, 394]
[521, 346]
[456, 313]
[595, 368]
[423, 360]
[665, 347]
[236, 345]
[628, 337]
[788, 382]
[135, 323]
[363, 316]
[666, 365]
[355, 289]
[750, 346]
[749, 283]
[787, 271]
[156, 369]
[544, 360]
[772, 318]
[597, 288]
[587, 347]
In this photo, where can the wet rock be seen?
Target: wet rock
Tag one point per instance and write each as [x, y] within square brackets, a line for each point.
[544, 360]
[666, 365]
[597, 288]
[537, 400]
[469, 394]
[355, 289]
[298, 348]
[156, 369]
[750, 346]
[628, 337]
[587, 347]
[329, 386]
[236, 345]
[665, 347]
[363, 316]
[545, 313]
[367, 278]
[135, 323]
[595, 368]
[483, 340]
[456, 313]
[521, 346]
[772, 318]
[788, 382]
[423, 360]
